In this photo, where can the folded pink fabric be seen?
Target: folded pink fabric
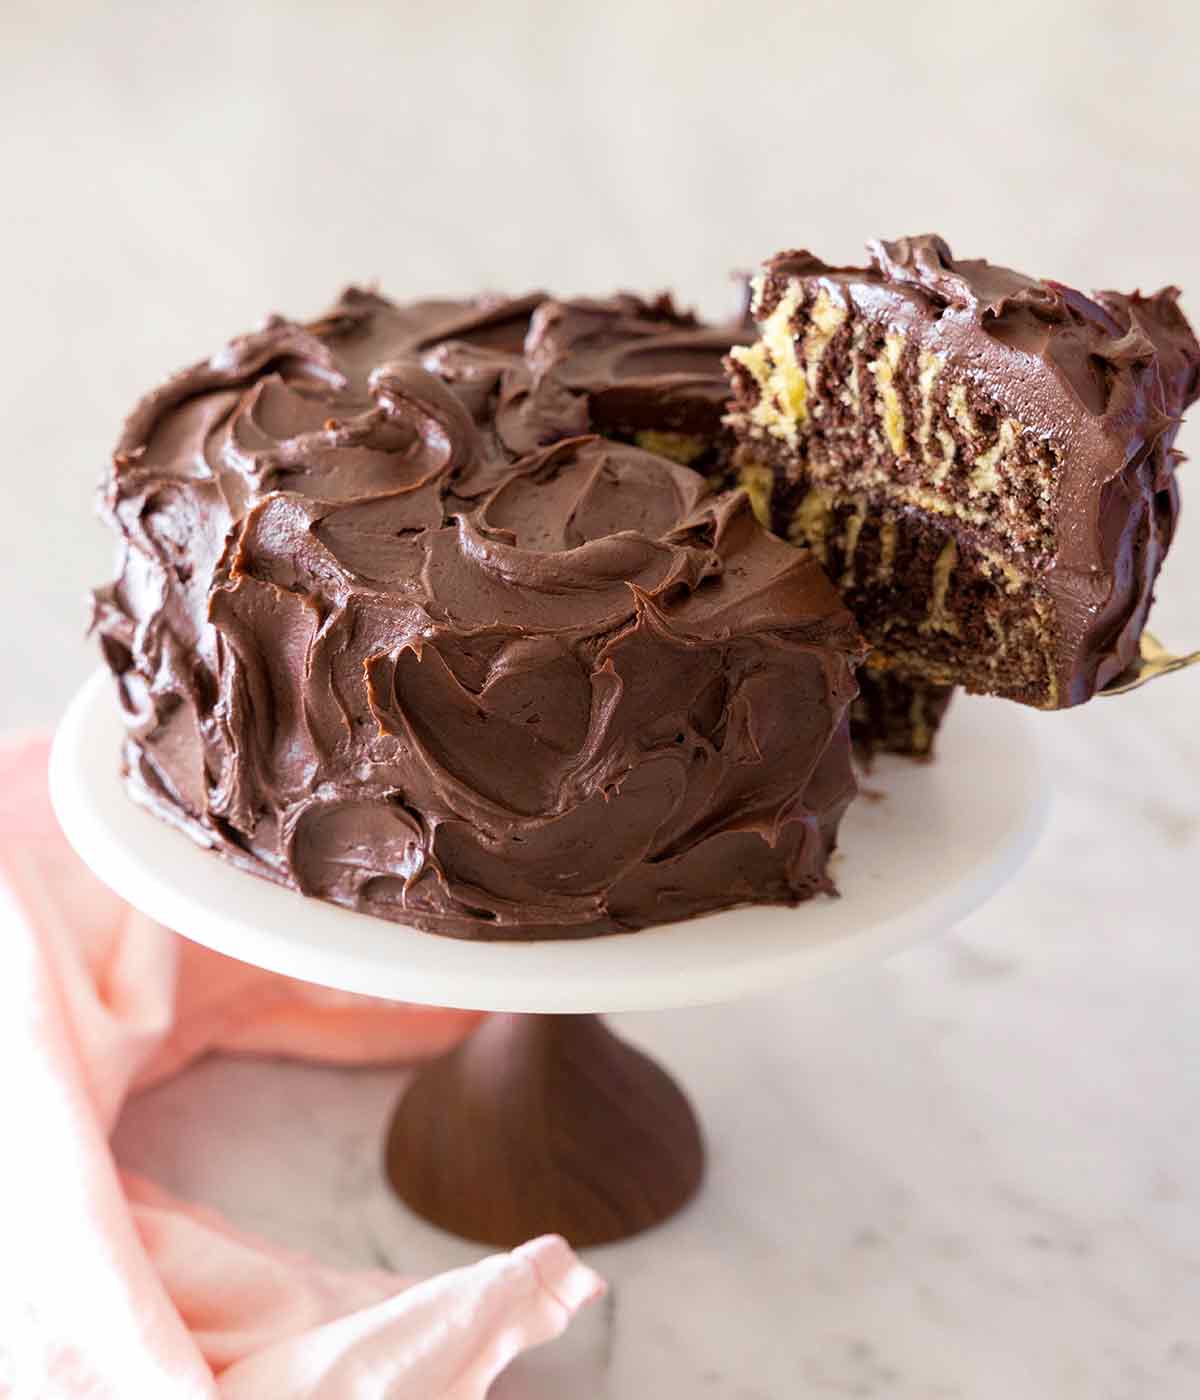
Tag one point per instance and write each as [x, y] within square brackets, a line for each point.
[111, 1288]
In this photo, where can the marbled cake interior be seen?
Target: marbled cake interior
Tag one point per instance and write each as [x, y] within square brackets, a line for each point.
[982, 461]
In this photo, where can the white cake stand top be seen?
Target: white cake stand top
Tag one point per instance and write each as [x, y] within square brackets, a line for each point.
[928, 844]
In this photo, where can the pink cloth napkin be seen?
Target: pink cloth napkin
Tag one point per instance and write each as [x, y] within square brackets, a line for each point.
[112, 1289]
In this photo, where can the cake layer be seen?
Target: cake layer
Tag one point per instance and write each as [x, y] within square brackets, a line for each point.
[896, 713]
[395, 627]
[936, 600]
[922, 402]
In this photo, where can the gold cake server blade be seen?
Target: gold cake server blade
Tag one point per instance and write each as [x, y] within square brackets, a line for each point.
[1153, 661]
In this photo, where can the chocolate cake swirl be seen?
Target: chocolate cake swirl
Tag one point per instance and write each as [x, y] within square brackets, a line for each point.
[401, 623]
[984, 461]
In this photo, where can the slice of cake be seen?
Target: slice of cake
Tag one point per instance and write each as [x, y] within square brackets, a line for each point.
[983, 461]
[422, 644]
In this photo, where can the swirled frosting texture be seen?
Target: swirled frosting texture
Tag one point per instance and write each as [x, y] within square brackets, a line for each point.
[396, 625]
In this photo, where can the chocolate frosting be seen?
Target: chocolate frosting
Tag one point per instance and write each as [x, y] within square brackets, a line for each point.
[396, 626]
[1104, 379]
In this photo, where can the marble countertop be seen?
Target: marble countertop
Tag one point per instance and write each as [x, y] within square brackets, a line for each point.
[971, 1172]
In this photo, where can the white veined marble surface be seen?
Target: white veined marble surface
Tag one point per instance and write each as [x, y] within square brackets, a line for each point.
[972, 1172]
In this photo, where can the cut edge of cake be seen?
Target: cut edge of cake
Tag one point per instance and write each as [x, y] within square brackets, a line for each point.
[984, 461]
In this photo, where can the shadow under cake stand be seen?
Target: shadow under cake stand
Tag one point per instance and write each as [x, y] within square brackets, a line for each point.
[544, 1120]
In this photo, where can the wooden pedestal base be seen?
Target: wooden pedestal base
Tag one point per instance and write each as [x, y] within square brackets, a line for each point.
[544, 1124]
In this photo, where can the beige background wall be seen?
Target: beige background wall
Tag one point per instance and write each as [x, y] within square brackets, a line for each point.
[173, 172]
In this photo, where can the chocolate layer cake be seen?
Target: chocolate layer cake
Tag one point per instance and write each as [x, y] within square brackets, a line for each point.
[393, 625]
[983, 461]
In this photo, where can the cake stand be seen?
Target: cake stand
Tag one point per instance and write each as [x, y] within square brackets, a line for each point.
[543, 1120]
